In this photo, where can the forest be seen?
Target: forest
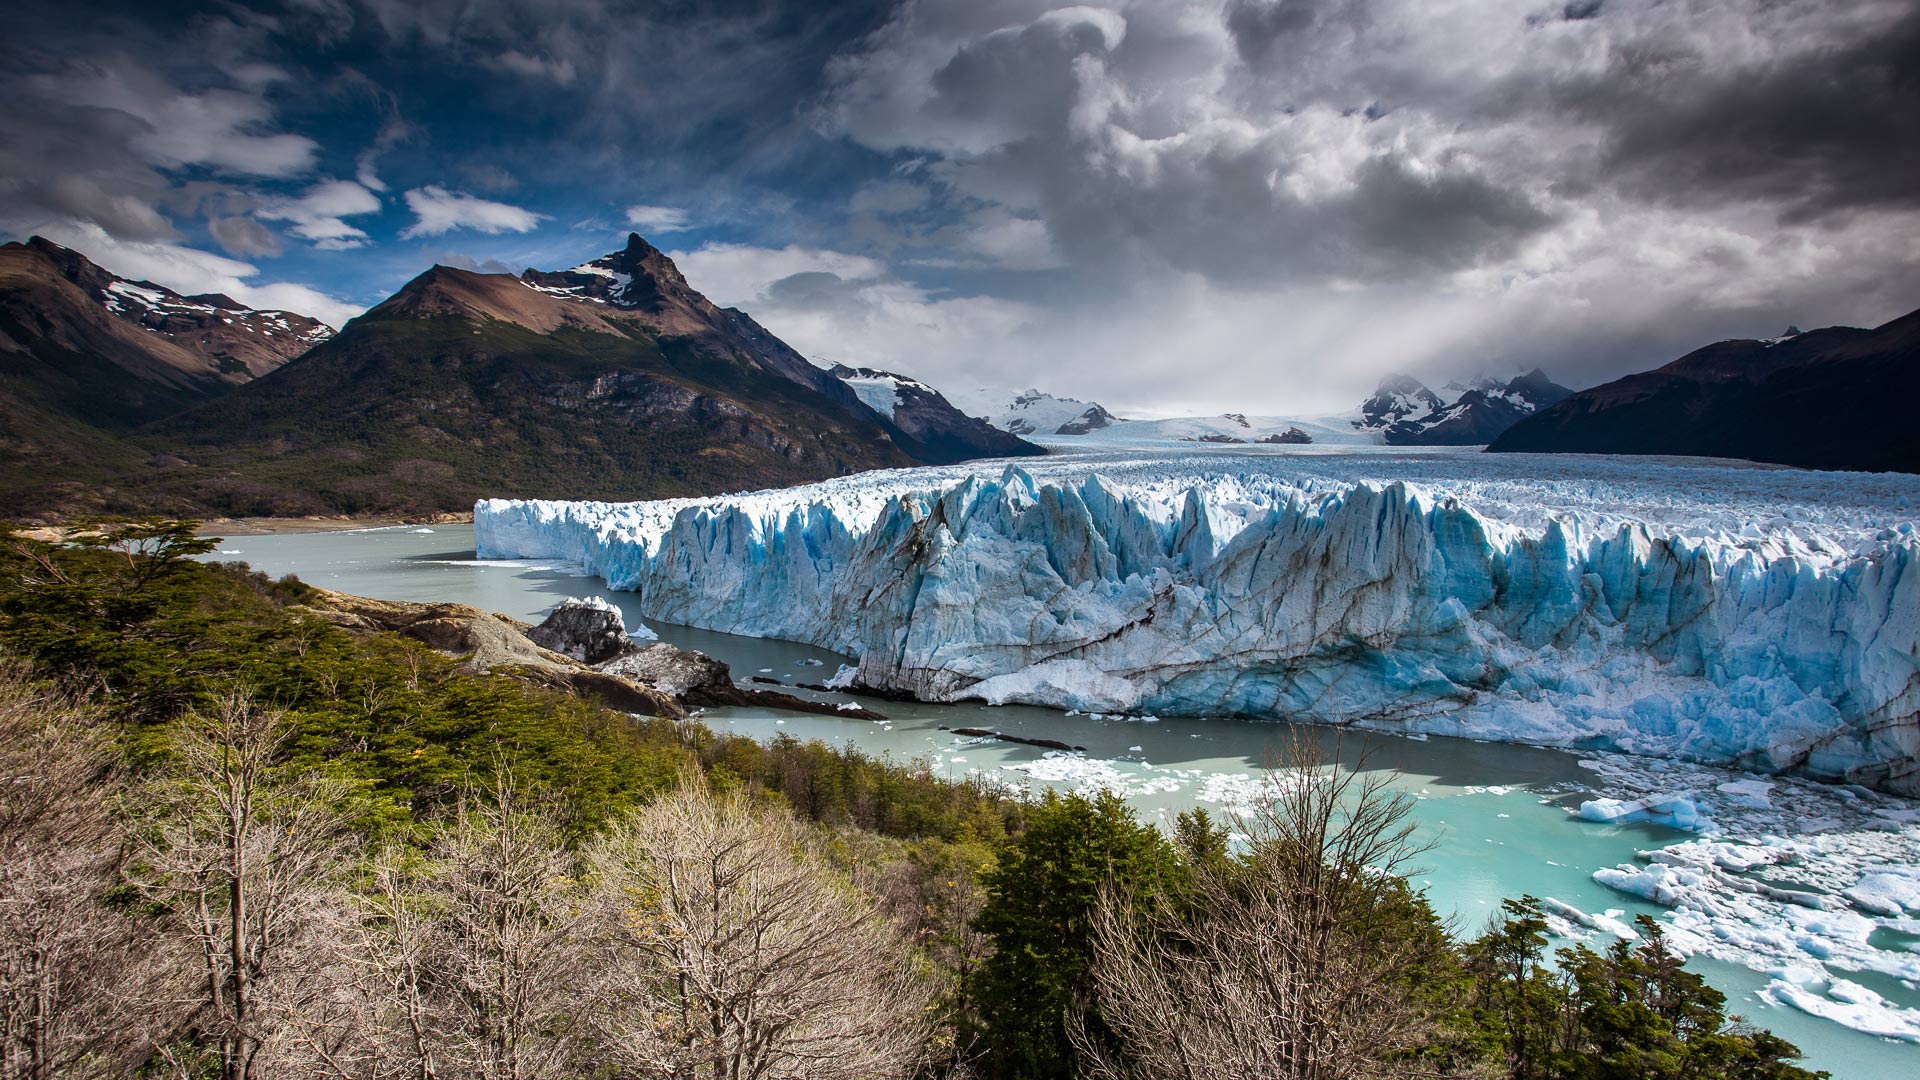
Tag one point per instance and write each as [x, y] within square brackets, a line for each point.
[238, 842]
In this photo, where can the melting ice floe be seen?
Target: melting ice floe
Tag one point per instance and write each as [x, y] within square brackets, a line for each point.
[1789, 878]
[1769, 618]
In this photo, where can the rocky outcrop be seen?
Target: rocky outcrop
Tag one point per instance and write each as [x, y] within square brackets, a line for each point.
[655, 679]
[588, 629]
[1291, 436]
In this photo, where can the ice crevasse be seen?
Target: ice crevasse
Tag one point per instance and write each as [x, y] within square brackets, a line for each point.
[1179, 590]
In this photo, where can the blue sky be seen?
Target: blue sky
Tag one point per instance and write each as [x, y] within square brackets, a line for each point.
[1167, 205]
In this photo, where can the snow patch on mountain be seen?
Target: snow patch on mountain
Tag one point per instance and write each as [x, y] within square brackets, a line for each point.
[1033, 414]
[1711, 613]
[880, 391]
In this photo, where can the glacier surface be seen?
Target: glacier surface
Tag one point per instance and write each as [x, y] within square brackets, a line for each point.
[1765, 618]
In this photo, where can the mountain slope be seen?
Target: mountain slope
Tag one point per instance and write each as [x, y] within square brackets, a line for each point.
[931, 429]
[1031, 412]
[1826, 399]
[464, 385]
[86, 355]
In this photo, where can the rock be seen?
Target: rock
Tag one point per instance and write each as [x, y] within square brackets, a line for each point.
[988, 733]
[674, 671]
[489, 642]
[1292, 435]
[587, 628]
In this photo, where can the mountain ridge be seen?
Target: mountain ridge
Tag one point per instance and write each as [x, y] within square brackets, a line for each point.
[615, 379]
[1816, 399]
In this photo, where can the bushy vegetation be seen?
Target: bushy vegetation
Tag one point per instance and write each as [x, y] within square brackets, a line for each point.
[241, 842]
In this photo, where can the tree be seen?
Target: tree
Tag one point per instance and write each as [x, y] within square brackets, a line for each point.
[243, 860]
[1516, 995]
[1039, 911]
[469, 960]
[734, 953]
[1304, 956]
[66, 958]
[1631, 1013]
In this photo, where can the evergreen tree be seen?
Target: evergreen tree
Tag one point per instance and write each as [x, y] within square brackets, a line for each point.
[1041, 897]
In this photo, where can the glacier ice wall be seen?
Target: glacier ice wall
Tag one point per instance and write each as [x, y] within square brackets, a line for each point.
[1599, 611]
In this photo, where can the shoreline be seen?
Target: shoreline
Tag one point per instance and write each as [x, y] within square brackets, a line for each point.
[276, 526]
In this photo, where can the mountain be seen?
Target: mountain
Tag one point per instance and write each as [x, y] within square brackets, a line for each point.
[87, 355]
[614, 379]
[1824, 399]
[1404, 412]
[1399, 397]
[931, 429]
[1034, 413]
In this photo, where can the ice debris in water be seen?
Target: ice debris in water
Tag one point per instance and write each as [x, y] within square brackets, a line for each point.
[1786, 877]
[1708, 612]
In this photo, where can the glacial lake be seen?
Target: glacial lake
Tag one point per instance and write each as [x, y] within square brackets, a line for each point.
[1501, 817]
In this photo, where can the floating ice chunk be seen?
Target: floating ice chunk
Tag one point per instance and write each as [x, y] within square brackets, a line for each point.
[1676, 811]
[1749, 793]
[1850, 1005]
[1888, 892]
[1609, 921]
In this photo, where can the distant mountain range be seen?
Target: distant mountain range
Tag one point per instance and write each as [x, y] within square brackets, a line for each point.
[613, 379]
[1823, 399]
[1403, 411]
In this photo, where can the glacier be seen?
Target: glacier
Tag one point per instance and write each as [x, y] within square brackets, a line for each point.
[1763, 618]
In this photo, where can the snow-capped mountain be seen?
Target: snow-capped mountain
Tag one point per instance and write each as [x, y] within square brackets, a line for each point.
[1397, 398]
[209, 338]
[936, 429]
[1031, 412]
[1405, 412]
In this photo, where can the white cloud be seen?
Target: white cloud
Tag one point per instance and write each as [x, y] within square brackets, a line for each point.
[844, 307]
[190, 270]
[438, 210]
[738, 274]
[657, 219]
[1266, 204]
[318, 212]
[534, 66]
[218, 128]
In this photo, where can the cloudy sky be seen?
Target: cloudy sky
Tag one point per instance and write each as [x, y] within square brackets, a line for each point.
[1168, 205]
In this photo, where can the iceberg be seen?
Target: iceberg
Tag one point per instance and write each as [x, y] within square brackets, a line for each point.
[1760, 618]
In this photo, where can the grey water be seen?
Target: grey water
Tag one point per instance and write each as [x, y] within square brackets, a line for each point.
[1498, 816]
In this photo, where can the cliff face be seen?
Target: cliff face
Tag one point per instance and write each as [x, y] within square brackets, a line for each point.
[1389, 604]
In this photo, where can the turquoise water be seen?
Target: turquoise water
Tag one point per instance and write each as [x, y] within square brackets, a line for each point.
[1498, 816]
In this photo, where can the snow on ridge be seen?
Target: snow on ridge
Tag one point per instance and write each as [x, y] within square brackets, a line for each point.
[1694, 610]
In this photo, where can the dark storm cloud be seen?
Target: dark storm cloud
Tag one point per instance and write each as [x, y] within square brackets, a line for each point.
[1828, 127]
[1086, 188]
[1257, 24]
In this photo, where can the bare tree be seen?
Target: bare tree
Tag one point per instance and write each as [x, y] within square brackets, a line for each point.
[734, 954]
[504, 967]
[1295, 959]
[64, 956]
[244, 861]
[463, 962]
